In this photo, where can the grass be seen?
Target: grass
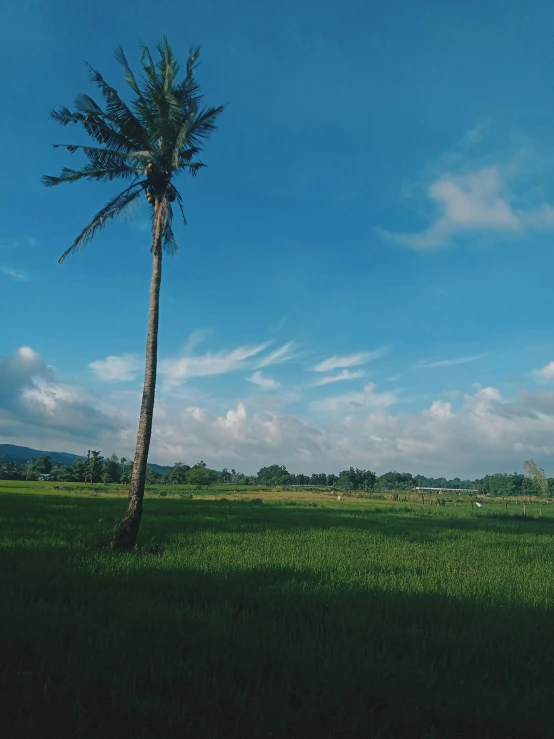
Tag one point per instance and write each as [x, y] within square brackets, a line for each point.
[235, 619]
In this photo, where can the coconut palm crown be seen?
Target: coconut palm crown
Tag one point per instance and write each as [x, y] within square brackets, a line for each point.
[148, 142]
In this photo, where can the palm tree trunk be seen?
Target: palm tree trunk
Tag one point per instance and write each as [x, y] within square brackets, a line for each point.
[126, 535]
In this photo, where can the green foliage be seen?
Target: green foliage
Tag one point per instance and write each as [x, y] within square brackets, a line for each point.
[177, 475]
[93, 466]
[201, 476]
[112, 469]
[276, 474]
[43, 465]
[355, 479]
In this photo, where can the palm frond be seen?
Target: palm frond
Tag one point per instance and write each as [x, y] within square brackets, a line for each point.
[179, 199]
[116, 206]
[189, 87]
[204, 124]
[93, 170]
[168, 67]
[195, 167]
[101, 154]
[119, 112]
[140, 104]
[169, 243]
[96, 126]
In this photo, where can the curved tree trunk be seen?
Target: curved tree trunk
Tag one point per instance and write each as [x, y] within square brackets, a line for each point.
[126, 535]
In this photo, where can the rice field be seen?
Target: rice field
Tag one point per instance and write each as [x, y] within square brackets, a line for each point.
[274, 615]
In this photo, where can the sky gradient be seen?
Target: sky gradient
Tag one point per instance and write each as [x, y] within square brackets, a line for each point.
[365, 278]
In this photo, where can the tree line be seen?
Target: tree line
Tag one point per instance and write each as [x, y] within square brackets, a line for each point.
[97, 469]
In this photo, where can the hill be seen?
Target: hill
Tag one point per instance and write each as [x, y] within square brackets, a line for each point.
[21, 455]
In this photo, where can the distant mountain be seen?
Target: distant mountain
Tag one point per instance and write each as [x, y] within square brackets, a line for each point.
[21, 454]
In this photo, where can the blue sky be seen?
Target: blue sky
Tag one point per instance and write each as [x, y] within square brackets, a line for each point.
[379, 194]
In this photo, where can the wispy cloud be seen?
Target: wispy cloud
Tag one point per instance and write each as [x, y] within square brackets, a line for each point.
[429, 364]
[196, 338]
[279, 324]
[278, 356]
[181, 369]
[15, 274]
[344, 375]
[122, 368]
[352, 360]
[15, 243]
[266, 383]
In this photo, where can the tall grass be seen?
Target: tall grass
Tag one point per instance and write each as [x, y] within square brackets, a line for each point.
[235, 619]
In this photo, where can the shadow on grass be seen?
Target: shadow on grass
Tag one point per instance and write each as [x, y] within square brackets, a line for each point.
[104, 644]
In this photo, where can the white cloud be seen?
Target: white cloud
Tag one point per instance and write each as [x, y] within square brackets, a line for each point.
[482, 200]
[33, 401]
[429, 364]
[344, 375]
[487, 433]
[15, 274]
[278, 356]
[546, 374]
[267, 383]
[178, 370]
[352, 360]
[474, 434]
[122, 368]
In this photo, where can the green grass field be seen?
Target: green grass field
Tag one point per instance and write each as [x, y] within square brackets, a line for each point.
[289, 618]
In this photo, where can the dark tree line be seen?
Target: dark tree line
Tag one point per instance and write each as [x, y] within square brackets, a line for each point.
[97, 469]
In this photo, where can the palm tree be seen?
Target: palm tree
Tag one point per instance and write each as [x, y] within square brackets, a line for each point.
[148, 143]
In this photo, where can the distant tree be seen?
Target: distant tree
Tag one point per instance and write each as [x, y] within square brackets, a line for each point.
[177, 475]
[152, 477]
[93, 466]
[30, 468]
[354, 479]
[199, 464]
[112, 470]
[43, 465]
[79, 470]
[201, 476]
[275, 474]
[62, 473]
[536, 476]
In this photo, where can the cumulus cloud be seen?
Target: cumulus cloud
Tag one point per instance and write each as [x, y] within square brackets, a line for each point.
[352, 360]
[485, 433]
[267, 383]
[344, 375]
[546, 374]
[122, 368]
[32, 400]
[483, 200]
[466, 435]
